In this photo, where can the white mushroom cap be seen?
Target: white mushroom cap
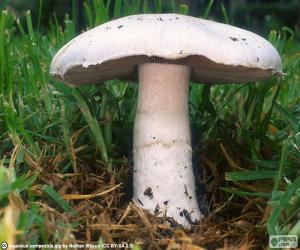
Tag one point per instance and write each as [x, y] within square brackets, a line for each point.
[216, 52]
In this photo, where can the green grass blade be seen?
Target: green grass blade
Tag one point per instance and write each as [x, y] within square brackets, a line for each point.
[9, 79]
[269, 164]
[40, 14]
[5, 186]
[183, 9]
[67, 135]
[104, 116]
[295, 230]
[146, 9]
[88, 14]
[58, 199]
[206, 100]
[274, 38]
[283, 203]
[30, 26]
[250, 175]
[4, 4]
[2, 48]
[208, 9]
[266, 121]
[22, 182]
[92, 123]
[284, 154]
[21, 29]
[288, 116]
[173, 8]
[69, 30]
[224, 12]
[158, 6]
[245, 193]
[75, 14]
[117, 8]
[101, 12]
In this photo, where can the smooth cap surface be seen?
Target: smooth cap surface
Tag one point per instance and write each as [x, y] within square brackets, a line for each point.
[217, 53]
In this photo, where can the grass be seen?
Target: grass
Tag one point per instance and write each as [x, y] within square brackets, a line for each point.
[65, 153]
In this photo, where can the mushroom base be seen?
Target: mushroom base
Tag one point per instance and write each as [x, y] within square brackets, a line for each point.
[163, 178]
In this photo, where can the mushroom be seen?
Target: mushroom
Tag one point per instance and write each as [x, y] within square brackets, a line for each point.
[164, 52]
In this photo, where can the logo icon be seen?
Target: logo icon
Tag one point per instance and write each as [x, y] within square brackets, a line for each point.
[273, 241]
[4, 245]
[283, 241]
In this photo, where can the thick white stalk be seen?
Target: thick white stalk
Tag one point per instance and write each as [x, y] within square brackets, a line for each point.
[163, 178]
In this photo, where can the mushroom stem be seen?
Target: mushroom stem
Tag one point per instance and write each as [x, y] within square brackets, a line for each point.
[163, 178]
